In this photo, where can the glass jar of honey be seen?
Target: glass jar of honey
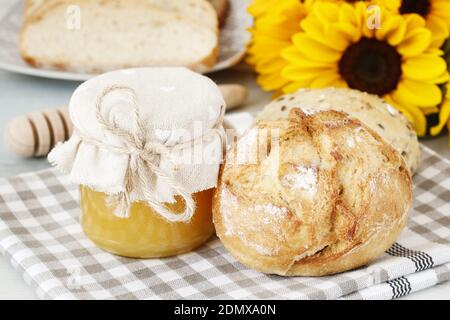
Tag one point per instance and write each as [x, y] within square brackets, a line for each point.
[146, 149]
[144, 233]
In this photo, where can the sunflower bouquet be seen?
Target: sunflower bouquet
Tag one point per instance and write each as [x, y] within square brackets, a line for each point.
[397, 49]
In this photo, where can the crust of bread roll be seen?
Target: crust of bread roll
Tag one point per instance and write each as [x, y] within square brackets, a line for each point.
[336, 200]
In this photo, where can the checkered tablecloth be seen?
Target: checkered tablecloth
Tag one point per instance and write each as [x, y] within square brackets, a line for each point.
[40, 234]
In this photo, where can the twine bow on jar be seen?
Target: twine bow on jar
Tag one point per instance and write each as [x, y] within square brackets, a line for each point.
[141, 162]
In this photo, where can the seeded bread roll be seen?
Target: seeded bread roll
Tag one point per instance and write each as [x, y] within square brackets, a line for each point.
[95, 36]
[329, 197]
[373, 111]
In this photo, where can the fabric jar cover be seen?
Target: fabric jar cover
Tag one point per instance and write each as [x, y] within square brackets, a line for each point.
[180, 109]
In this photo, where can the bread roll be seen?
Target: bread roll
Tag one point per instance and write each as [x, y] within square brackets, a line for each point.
[106, 35]
[329, 195]
[373, 111]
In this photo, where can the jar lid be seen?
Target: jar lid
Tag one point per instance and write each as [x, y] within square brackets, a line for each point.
[145, 134]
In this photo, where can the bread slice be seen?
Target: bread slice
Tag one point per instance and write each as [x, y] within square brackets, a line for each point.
[200, 11]
[114, 34]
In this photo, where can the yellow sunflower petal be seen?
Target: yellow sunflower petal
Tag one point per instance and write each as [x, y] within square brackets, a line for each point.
[360, 15]
[340, 84]
[260, 7]
[323, 33]
[270, 47]
[393, 30]
[424, 66]
[444, 116]
[416, 42]
[315, 30]
[348, 30]
[442, 78]
[414, 21]
[301, 74]
[347, 13]
[439, 30]
[326, 12]
[349, 25]
[431, 110]
[391, 5]
[436, 42]
[270, 65]
[441, 8]
[314, 50]
[271, 82]
[435, 51]
[340, 40]
[418, 93]
[297, 59]
[326, 79]
[272, 32]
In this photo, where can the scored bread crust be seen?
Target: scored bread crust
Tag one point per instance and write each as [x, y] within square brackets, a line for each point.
[337, 200]
[35, 10]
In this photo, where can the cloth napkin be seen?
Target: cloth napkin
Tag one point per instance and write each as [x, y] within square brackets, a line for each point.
[40, 234]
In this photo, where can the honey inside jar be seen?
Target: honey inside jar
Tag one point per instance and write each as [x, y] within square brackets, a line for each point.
[145, 234]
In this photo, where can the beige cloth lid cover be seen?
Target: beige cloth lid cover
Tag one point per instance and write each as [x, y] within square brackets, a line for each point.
[176, 106]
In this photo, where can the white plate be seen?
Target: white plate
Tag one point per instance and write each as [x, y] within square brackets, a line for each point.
[233, 40]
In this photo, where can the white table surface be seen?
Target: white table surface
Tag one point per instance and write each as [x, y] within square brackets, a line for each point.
[21, 94]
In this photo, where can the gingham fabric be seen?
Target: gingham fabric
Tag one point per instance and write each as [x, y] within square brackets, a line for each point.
[40, 234]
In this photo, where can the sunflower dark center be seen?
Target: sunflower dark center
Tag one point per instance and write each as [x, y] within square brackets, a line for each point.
[372, 66]
[421, 7]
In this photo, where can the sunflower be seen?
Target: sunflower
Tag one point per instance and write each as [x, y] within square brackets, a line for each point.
[435, 12]
[271, 34]
[259, 8]
[337, 48]
[276, 21]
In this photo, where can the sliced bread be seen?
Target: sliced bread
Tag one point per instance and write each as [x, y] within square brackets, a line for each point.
[200, 11]
[114, 34]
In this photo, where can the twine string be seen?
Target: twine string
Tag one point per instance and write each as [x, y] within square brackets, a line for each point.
[141, 162]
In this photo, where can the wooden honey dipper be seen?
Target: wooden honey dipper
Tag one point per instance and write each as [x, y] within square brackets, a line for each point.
[36, 133]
